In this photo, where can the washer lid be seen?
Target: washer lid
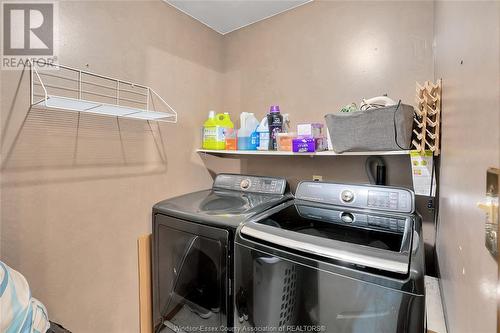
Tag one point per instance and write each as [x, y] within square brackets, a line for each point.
[348, 237]
[218, 207]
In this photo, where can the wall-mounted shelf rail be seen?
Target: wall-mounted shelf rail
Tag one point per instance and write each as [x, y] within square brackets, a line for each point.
[289, 153]
[56, 86]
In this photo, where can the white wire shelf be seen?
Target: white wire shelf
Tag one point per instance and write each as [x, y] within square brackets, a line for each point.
[289, 153]
[61, 87]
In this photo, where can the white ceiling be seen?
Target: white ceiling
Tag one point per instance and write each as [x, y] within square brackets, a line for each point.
[225, 16]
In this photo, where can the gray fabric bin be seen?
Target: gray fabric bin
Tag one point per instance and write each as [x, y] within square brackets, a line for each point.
[371, 130]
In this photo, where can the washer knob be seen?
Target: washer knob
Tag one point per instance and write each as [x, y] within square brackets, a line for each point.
[347, 196]
[347, 217]
[245, 184]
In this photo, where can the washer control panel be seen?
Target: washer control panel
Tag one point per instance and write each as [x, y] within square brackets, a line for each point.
[373, 197]
[255, 184]
[390, 223]
[392, 200]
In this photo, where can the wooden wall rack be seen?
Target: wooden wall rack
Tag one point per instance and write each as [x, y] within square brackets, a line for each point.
[428, 117]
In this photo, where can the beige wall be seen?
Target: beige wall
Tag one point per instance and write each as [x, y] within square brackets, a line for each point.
[468, 32]
[323, 55]
[75, 197]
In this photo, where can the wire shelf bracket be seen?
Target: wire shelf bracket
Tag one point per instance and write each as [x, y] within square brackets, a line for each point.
[56, 86]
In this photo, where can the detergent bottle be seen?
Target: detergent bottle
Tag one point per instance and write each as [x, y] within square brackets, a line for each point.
[224, 120]
[275, 123]
[248, 129]
[231, 139]
[263, 131]
[286, 123]
[254, 139]
[214, 130]
[210, 132]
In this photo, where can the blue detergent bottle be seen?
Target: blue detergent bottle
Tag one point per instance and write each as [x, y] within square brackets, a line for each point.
[254, 140]
[247, 132]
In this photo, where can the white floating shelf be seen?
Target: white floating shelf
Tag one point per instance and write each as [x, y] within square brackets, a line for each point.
[70, 89]
[289, 153]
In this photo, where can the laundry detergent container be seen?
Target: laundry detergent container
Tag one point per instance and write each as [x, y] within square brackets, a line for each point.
[385, 128]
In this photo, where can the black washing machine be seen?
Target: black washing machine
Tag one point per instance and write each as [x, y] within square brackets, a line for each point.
[338, 258]
[193, 247]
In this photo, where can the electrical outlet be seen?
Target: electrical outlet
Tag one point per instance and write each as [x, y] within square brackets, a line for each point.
[317, 178]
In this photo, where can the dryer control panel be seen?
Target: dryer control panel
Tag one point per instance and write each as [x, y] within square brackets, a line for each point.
[383, 198]
[255, 184]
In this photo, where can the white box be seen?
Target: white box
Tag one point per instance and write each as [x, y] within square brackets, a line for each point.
[312, 130]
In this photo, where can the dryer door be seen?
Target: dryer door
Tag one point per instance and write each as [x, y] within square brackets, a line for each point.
[190, 274]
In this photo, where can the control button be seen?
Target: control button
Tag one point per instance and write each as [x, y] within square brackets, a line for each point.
[394, 224]
[384, 223]
[245, 184]
[401, 225]
[371, 221]
[347, 196]
[403, 201]
[347, 217]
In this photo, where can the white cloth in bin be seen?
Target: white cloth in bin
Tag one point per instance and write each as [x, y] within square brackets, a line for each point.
[19, 312]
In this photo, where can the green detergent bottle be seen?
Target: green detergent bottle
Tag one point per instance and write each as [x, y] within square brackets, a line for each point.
[214, 130]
